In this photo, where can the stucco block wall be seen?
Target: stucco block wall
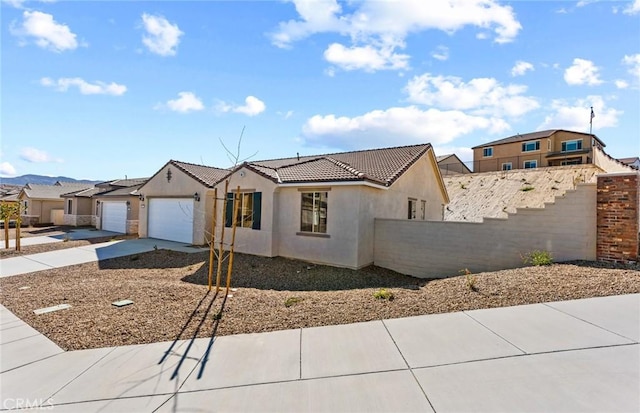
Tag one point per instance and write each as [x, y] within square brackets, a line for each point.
[42, 209]
[618, 214]
[429, 249]
[132, 227]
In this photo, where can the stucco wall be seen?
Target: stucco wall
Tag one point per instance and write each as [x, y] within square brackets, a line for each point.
[427, 249]
[249, 241]
[609, 164]
[42, 208]
[180, 186]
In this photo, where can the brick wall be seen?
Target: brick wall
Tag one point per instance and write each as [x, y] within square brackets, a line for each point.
[618, 217]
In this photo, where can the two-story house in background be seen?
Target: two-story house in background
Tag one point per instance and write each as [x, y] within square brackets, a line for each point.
[553, 147]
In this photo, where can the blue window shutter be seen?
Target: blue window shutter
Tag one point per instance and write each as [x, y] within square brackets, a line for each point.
[228, 219]
[257, 209]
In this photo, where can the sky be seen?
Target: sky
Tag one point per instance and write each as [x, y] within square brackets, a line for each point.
[111, 89]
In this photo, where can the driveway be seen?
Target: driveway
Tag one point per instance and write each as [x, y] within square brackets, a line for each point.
[580, 355]
[88, 253]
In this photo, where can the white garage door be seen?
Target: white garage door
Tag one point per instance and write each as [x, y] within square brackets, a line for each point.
[171, 219]
[114, 217]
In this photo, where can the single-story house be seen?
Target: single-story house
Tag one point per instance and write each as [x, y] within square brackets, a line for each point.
[315, 208]
[451, 165]
[83, 207]
[43, 204]
[117, 209]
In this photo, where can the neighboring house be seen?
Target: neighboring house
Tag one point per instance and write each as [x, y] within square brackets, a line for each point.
[315, 208]
[9, 194]
[632, 162]
[555, 147]
[117, 210]
[43, 204]
[451, 165]
[78, 207]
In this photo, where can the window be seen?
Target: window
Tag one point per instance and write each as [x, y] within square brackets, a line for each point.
[530, 164]
[507, 166]
[531, 146]
[249, 206]
[26, 206]
[313, 214]
[487, 152]
[569, 146]
[423, 208]
[412, 208]
[572, 162]
[69, 206]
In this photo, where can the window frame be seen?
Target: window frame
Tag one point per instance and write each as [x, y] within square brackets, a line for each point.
[488, 149]
[536, 145]
[316, 211]
[423, 209]
[412, 207]
[256, 209]
[69, 206]
[510, 164]
[564, 144]
[534, 161]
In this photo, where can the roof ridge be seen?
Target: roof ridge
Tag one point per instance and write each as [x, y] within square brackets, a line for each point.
[413, 160]
[342, 153]
[347, 167]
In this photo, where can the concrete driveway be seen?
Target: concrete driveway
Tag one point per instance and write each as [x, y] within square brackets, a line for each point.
[74, 234]
[569, 356]
[88, 253]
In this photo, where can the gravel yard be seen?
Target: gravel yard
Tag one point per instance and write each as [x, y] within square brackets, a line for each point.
[171, 300]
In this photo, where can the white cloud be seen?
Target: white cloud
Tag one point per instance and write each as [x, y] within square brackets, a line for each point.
[6, 169]
[398, 125]
[377, 28]
[634, 62]
[441, 53]
[47, 33]
[34, 155]
[480, 96]
[633, 8]
[576, 115]
[162, 37]
[86, 88]
[368, 58]
[186, 102]
[520, 68]
[19, 4]
[582, 72]
[253, 106]
[621, 84]
[285, 115]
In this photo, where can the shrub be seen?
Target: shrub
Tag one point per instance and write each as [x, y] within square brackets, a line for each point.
[470, 279]
[291, 301]
[383, 294]
[527, 189]
[538, 257]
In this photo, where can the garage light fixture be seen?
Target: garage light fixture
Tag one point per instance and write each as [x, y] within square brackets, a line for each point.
[196, 197]
[141, 197]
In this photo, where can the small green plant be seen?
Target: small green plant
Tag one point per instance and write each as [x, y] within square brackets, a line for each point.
[66, 238]
[470, 279]
[291, 301]
[218, 315]
[134, 258]
[538, 257]
[527, 189]
[462, 186]
[383, 294]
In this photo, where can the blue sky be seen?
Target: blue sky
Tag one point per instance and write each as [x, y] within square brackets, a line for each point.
[108, 89]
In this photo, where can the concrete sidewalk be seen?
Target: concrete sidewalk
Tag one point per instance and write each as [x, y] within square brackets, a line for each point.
[73, 235]
[568, 356]
[88, 253]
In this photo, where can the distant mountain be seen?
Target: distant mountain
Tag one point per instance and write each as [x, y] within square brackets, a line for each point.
[42, 180]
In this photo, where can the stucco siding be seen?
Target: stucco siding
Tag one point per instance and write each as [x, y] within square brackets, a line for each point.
[248, 240]
[179, 186]
[427, 249]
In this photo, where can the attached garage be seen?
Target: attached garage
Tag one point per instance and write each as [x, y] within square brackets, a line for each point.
[171, 219]
[114, 217]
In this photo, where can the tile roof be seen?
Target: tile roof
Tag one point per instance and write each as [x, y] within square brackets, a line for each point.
[206, 175]
[123, 182]
[83, 193]
[532, 136]
[37, 191]
[126, 191]
[382, 166]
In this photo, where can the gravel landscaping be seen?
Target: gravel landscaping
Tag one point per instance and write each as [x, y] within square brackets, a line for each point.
[171, 298]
